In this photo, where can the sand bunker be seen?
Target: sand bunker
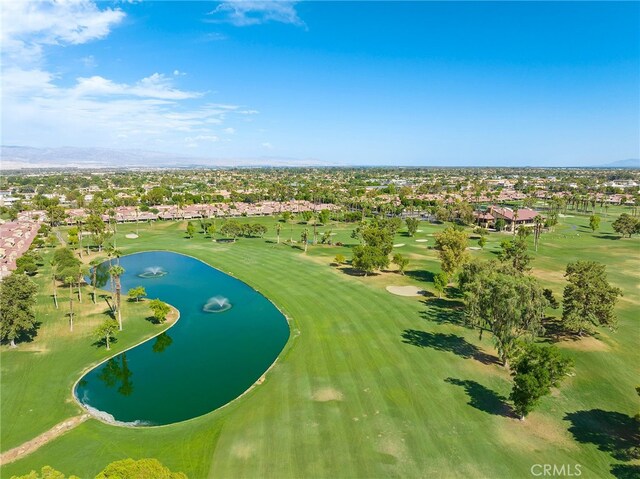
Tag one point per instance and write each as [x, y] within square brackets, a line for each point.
[421, 241]
[405, 290]
[131, 236]
[398, 245]
[474, 248]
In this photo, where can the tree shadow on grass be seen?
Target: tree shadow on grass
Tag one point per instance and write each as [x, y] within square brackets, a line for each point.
[447, 342]
[608, 236]
[444, 311]
[420, 275]
[102, 342]
[554, 331]
[355, 272]
[483, 398]
[625, 471]
[613, 432]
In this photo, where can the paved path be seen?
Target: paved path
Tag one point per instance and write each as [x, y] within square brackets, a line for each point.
[34, 444]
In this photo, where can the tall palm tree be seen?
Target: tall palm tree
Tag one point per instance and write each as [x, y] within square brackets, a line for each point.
[539, 223]
[304, 237]
[94, 275]
[69, 280]
[278, 228]
[116, 272]
[54, 269]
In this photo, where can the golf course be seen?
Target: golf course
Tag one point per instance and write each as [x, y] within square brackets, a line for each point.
[368, 384]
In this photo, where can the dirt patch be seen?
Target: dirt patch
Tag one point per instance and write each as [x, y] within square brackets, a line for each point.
[37, 442]
[405, 290]
[547, 430]
[242, 450]
[327, 394]
[588, 343]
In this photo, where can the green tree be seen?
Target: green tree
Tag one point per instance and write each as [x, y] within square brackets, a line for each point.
[26, 264]
[536, 370]
[17, 299]
[231, 229]
[412, 225]
[440, 282]
[47, 472]
[509, 305]
[116, 271]
[137, 293]
[515, 252]
[451, 245]
[306, 216]
[401, 261]
[482, 242]
[159, 309]
[106, 331]
[138, 469]
[594, 222]
[211, 230]
[340, 259]
[500, 224]
[323, 217]
[369, 258]
[626, 225]
[588, 300]
[191, 229]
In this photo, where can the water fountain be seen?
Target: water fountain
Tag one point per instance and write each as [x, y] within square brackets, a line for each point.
[153, 272]
[216, 304]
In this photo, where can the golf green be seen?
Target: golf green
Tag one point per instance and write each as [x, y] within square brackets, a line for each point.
[227, 337]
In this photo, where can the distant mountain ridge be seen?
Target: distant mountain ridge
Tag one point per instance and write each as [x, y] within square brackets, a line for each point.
[629, 163]
[20, 157]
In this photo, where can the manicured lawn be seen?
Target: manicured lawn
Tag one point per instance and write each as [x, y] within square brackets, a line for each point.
[369, 385]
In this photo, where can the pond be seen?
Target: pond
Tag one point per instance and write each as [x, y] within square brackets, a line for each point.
[227, 337]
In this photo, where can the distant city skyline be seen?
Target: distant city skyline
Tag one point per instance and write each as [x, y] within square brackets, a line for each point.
[341, 83]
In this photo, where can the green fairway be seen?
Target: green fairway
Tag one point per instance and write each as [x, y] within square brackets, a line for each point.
[369, 385]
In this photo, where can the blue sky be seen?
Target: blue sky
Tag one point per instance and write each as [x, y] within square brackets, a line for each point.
[395, 83]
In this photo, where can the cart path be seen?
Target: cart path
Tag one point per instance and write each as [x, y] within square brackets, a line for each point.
[34, 444]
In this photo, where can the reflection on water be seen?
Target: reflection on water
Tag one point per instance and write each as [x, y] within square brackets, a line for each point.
[163, 341]
[116, 372]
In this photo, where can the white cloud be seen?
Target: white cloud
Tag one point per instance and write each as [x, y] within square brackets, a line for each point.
[249, 12]
[211, 138]
[154, 86]
[27, 26]
[229, 131]
[99, 112]
[267, 145]
[41, 108]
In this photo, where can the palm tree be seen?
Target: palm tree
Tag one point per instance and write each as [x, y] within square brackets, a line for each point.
[304, 237]
[539, 223]
[278, 228]
[94, 275]
[81, 272]
[69, 280]
[115, 272]
[55, 284]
